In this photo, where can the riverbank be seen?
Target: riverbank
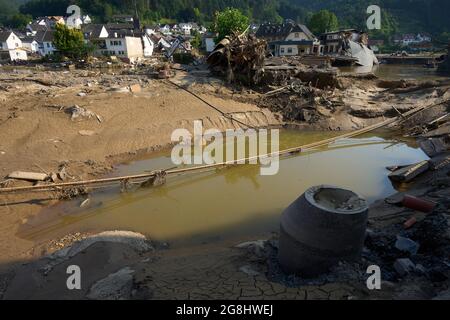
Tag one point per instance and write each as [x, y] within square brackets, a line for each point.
[41, 133]
[124, 117]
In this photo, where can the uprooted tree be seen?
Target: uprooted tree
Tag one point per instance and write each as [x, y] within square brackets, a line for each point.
[240, 58]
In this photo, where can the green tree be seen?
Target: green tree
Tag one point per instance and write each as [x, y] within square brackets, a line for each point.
[70, 42]
[196, 41]
[18, 20]
[323, 21]
[229, 21]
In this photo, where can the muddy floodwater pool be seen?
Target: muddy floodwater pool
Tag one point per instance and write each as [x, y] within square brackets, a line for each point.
[235, 202]
[399, 72]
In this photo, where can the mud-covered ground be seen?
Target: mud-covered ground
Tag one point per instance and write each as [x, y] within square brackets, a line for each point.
[130, 115]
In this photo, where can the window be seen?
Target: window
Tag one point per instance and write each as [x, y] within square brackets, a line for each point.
[289, 50]
[48, 45]
[297, 35]
[282, 50]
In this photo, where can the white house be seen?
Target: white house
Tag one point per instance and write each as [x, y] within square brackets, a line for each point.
[289, 39]
[30, 44]
[11, 48]
[410, 39]
[34, 27]
[122, 46]
[45, 41]
[185, 28]
[165, 29]
[94, 31]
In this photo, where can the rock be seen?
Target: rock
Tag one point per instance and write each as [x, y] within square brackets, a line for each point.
[258, 243]
[407, 245]
[135, 241]
[79, 112]
[62, 174]
[255, 247]
[86, 133]
[116, 286]
[82, 94]
[249, 271]
[421, 269]
[119, 89]
[404, 266]
[53, 177]
[135, 88]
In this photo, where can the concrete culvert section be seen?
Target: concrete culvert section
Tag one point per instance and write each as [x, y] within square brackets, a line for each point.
[322, 227]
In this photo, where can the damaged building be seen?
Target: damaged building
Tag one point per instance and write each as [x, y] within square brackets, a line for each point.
[289, 39]
[347, 47]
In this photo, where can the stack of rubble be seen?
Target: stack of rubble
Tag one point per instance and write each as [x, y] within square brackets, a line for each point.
[239, 58]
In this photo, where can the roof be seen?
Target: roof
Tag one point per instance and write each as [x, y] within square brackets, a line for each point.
[282, 30]
[119, 26]
[92, 30]
[44, 36]
[4, 35]
[28, 39]
[304, 29]
[37, 27]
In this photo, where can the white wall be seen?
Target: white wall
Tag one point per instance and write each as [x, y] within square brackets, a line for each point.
[149, 46]
[12, 42]
[128, 47]
[134, 47]
[297, 36]
[31, 46]
[18, 54]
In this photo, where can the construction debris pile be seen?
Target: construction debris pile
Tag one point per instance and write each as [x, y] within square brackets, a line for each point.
[239, 58]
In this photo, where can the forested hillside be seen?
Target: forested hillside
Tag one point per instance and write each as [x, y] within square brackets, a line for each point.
[398, 15]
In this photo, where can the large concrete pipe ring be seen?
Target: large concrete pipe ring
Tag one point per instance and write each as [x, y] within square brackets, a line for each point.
[322, 227]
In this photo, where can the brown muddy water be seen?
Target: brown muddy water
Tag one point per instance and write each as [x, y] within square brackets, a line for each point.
[236, 202]
[399, 72]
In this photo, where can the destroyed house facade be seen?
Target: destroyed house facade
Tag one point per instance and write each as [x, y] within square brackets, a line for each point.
[334, 42]
[117, 39]
[288, 39]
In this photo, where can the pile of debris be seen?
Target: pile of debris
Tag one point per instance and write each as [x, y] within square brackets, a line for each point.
[240, 58]
[281, 71]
